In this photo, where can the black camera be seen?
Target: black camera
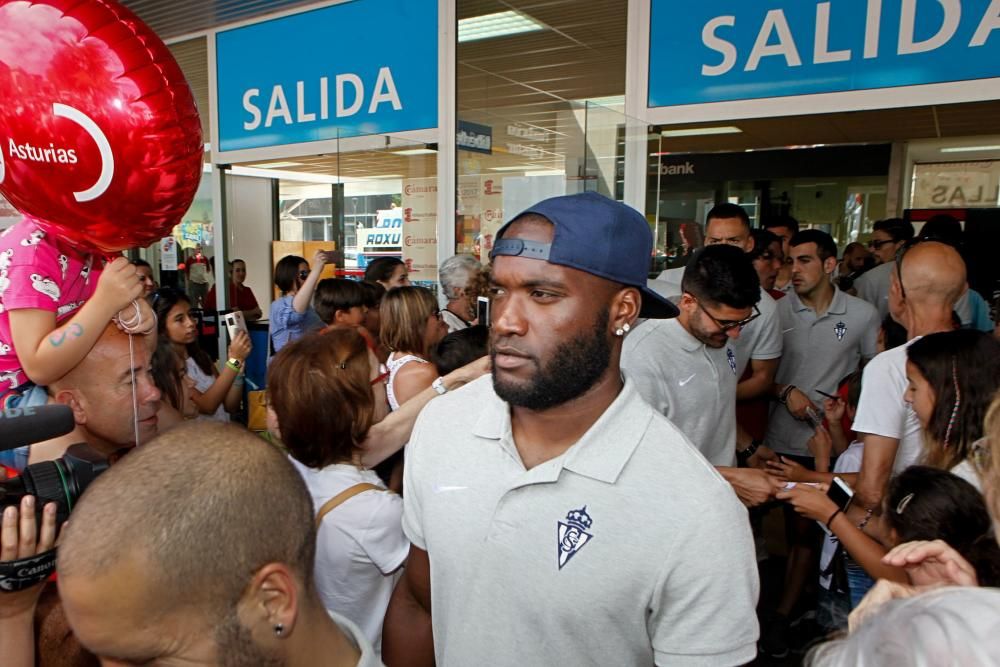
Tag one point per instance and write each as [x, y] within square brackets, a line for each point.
[61, 481]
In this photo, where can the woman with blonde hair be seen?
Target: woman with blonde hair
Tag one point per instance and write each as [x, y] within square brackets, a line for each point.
[411, 327]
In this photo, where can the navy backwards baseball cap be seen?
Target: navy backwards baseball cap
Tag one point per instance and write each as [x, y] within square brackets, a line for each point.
[594, 234]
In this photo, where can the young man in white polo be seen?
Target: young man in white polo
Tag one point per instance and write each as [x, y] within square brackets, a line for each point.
[555, 517]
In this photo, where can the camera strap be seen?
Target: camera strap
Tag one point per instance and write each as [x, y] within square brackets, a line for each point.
[17, 575]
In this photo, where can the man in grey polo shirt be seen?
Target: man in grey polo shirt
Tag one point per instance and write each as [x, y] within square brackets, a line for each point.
[556, 518]
[827, 335]
[687, 368]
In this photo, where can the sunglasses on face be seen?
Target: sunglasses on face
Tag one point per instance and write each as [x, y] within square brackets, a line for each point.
[729, 325]
[877, 245]
[303, 274]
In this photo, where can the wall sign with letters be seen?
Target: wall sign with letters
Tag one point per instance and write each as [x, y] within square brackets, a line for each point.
[722, 50]
[332, 72]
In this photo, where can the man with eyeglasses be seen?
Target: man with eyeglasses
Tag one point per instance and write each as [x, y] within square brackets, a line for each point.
[887, 237]
[687, 368]
[826, 336]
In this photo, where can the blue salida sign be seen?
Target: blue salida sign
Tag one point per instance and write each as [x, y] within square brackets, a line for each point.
[724, 50]
[328, 73]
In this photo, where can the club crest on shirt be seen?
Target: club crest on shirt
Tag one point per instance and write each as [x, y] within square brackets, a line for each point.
[732, 359]
[841, 330]
[573, 534]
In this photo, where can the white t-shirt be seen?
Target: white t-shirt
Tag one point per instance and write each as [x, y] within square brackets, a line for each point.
[203, 383]
[369, 657]
[360, 546]
[882, 410]
[849, 461]
[967, 471]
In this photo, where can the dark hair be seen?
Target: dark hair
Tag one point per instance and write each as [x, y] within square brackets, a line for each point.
[333, 294]
[722, 274]
[727, 210]
[373, 293]
[825, 247]
[286, 272]
[781, 221]
[762, 240]
[926, 503]
[382, 268]
[141, 262]
[320, 390]
[852, 246]
[460, 348]
[897, 228]
[944, 228]
[164, 370]
[232, 262]
[963, 369]
[853, 384]
[893, 333]
[163, 300]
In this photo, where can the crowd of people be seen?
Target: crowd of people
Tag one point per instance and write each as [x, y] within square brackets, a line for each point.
[775, 449]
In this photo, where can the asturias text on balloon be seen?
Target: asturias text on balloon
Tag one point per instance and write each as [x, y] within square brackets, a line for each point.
[38, 154]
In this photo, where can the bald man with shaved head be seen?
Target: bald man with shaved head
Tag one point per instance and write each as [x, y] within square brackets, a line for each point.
[929, 278]
[198, 549]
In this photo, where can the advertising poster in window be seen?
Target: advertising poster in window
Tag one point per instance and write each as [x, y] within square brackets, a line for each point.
[419, 204]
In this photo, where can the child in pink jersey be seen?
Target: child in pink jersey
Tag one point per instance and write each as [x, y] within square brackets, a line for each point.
[55, 300]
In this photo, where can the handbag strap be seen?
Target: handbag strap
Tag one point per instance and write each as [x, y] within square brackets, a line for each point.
[343, 497]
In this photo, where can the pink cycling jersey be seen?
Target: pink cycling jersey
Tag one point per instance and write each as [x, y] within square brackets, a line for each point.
[38, 271]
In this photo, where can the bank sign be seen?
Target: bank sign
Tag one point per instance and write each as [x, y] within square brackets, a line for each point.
[727, 50]
[328, 73]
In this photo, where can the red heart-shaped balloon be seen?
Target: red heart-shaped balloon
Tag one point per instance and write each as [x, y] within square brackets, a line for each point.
[99, 134]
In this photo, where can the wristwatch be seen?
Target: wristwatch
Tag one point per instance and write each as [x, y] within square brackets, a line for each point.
[439, 387]
[235, 364]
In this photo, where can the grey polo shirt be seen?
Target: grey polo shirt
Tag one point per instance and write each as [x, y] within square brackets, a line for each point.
[628, 549]
[761, 339]
[873, 287]
[689, 383]
[818, 353]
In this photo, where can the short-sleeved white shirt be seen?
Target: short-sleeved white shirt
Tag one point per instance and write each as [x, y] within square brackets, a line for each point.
[882, 410]
[873, 287]
[689, 383]
[360, 546]
[818, 353]
[369, 657]
[627, 549]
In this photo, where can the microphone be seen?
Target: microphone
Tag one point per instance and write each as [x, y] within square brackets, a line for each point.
[28, 425]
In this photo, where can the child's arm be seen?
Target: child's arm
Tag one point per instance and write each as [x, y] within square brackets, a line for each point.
[216, 395]
[47, 352]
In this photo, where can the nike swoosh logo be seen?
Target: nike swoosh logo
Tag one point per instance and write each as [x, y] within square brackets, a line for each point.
[686, 380]
[442, 489]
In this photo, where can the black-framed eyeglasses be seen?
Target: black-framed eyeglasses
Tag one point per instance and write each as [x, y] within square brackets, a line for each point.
[729, 325]
[875, 244]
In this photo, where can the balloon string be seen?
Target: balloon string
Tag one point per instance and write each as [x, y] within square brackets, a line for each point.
[132, 326]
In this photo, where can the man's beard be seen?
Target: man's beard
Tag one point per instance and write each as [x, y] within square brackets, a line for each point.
[574, 368]
[713, 339]
[236, 647]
